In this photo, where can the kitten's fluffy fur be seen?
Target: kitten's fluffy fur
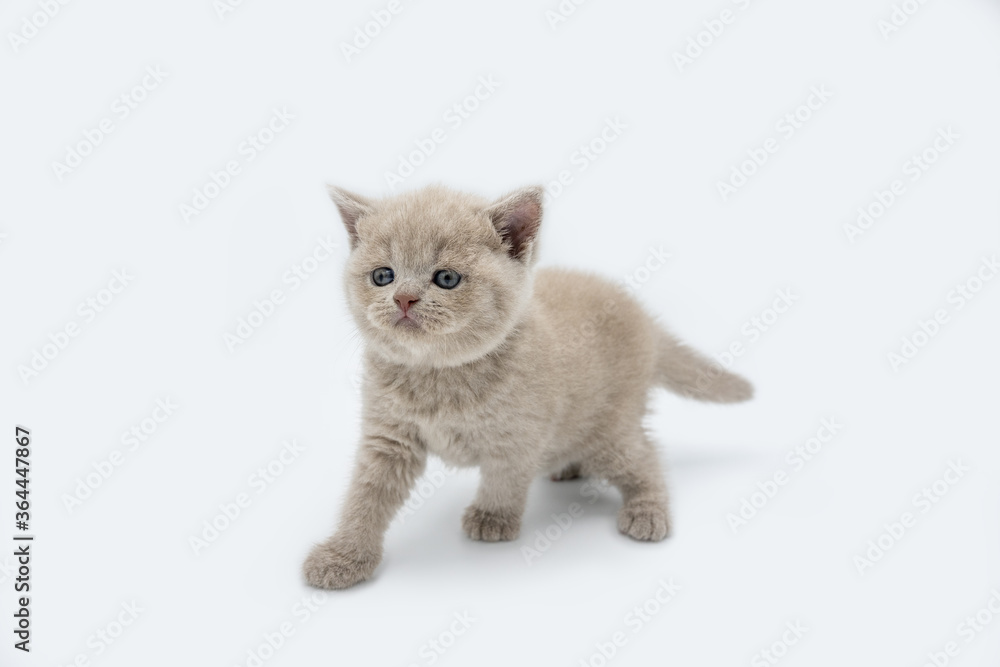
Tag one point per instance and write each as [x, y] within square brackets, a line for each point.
[514, 371]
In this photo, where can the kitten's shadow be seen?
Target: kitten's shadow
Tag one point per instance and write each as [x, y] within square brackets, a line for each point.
[693, 458]
[433, 541]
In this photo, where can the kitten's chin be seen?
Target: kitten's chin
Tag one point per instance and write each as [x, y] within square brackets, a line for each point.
[406, 323]
[425, 342]
[405, 329]
[413, 345]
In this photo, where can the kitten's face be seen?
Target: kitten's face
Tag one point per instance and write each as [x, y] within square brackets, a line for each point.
[438, 278]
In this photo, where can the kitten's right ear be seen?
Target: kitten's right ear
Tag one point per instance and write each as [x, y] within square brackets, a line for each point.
[351, 207]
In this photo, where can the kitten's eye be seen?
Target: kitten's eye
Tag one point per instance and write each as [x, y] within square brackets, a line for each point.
[382, 276]
[447, 278]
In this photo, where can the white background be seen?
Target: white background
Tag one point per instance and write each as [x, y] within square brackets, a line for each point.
[654, 186]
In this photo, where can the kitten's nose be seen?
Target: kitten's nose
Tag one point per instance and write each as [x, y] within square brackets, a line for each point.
[405, 301]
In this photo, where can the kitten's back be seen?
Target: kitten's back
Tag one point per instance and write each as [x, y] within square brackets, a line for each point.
[603, 337]
[599, 332]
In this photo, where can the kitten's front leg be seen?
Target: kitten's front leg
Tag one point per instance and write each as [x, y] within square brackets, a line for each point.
[385, 471]
[495, 515]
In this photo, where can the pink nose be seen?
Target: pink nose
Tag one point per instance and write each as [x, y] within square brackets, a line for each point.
[405, 301]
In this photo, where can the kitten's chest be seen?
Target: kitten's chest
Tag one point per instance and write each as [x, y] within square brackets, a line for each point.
[455, 444]
[459, 430]
[456, 419]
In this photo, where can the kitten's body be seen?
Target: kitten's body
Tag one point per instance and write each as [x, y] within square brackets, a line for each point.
[523, 373]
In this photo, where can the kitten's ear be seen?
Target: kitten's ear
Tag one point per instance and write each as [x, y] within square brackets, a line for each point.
[517, 217]
[351, 207]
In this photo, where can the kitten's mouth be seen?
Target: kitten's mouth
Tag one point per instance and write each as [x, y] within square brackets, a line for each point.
[407, 322]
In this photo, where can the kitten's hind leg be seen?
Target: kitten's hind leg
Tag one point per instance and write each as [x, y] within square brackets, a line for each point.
[572, 471]
[633, 467]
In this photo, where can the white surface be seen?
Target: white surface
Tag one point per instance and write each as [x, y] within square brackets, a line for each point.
[162, 336]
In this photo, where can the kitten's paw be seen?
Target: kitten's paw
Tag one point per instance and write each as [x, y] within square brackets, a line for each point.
[644, 520]
[572, 471]
[488, 526]
[334, 566]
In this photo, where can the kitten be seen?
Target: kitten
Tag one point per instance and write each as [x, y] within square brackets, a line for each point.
[475, 357]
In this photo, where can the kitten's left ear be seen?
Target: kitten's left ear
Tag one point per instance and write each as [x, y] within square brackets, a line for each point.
[517, 217]
[351, 207]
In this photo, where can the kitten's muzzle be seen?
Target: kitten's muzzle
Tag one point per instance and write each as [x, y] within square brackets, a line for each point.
[404, 301]
[403, 316]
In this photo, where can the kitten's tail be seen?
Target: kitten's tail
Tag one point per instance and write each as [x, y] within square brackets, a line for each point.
[691, 374]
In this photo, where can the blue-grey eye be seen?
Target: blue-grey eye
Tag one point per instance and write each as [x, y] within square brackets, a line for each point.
[382, 276]
[447, 279]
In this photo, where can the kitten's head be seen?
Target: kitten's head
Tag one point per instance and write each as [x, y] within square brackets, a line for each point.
[436, 277]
